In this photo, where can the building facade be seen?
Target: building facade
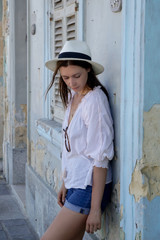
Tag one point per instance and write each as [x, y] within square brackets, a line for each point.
[125, 41]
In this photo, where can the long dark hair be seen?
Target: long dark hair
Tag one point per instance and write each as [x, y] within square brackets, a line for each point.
[64, 90]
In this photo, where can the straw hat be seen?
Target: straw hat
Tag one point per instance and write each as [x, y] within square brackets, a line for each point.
[75, 50]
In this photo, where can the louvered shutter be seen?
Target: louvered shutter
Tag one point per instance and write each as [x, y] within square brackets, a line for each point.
[57, 4]
[71, 27]
[64, 29]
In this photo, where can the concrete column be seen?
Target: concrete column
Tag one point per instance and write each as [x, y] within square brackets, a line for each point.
[131, 130]
[1, 87]
[140, 114]
[15, 139]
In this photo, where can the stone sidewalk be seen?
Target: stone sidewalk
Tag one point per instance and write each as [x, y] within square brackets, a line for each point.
[13, 224]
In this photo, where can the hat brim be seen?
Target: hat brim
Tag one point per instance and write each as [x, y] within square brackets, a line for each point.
[97, 68]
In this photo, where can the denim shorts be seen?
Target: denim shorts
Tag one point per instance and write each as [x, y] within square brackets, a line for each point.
[79, 200]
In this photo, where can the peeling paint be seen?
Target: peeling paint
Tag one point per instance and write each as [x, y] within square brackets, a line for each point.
[102, 233]
[138, 236]
[21, 127]
[113, 213]
[1, 117]
[121, 213]
[146, 176]
[122, 234]
[43, 163]
[40, 153]
[55, 175]
[116, 196]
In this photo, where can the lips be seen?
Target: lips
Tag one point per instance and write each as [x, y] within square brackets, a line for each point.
[74, 88]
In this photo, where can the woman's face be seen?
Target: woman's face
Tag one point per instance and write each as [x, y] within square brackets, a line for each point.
[75, 77]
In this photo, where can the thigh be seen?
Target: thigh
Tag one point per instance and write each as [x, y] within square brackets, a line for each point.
[68, 225]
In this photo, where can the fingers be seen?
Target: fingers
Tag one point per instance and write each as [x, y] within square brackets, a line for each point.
[92, 228]
[61, 198]
[59, 201]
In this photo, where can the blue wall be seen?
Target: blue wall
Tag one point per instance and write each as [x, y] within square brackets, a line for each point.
[151, 219]
[152, 54]
[151, 215]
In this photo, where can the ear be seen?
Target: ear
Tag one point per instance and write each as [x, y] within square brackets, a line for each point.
[88, 69]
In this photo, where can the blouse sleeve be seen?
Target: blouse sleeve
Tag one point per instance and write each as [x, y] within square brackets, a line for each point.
[98, 120]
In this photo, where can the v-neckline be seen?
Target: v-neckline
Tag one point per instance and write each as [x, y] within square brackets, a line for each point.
[69, 109]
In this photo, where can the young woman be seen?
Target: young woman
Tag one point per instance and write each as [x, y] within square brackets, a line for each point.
[88, 144]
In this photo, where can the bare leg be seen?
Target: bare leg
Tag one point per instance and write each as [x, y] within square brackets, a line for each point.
[68, 225]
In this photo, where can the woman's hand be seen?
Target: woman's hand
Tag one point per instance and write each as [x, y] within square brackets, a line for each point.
[62, 195]
[93, 222]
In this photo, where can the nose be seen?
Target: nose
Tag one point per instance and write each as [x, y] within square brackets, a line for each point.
[72, 82]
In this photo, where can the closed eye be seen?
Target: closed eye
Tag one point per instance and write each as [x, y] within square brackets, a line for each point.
[65, 78]
[77, 76]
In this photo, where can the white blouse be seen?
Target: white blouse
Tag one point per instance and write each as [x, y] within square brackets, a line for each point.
[90, 135]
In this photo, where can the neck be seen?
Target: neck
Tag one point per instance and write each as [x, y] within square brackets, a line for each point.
[84, 91]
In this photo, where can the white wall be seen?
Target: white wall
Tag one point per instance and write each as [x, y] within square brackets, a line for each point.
[44, 154]
[103, 34]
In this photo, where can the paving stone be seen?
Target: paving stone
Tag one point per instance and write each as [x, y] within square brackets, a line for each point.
[13, 224]
[0, 227]
[4, 189]
[3, 236]
[9, 208]
[20, 231]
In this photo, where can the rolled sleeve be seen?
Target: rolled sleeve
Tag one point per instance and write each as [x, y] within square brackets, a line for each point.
[99, 124]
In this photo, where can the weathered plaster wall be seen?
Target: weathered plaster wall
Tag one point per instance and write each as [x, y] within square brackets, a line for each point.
[43, 176]
[146, 175]
[145, 183]
[1, 86]
[15, 90]
[5, 29]
[103, 30]
[44, 137]
[152, 55]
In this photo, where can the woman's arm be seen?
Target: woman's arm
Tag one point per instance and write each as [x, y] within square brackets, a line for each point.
[94, 219]
[62, 195]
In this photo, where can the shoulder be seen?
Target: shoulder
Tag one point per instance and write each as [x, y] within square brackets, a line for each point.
[96, 96]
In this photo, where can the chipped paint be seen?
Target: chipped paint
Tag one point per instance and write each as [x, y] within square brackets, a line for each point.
[113, 213]
[21, 127]
[42, 162]
[1, 118]
[121, 212]
[1, 85]
[146, 175]
[138, 236]
[122, 234]
[102, 233]
[55, 175]
[40, 153]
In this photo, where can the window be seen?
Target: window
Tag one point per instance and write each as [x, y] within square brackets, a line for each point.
[63, 28]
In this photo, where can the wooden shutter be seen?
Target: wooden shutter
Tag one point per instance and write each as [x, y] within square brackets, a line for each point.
[57, 4]
[71, 27]
[65, 24]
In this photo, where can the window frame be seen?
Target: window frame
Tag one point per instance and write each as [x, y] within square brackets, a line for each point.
[51, 14]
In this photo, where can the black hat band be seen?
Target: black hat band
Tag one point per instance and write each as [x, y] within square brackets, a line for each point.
[74, 55]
